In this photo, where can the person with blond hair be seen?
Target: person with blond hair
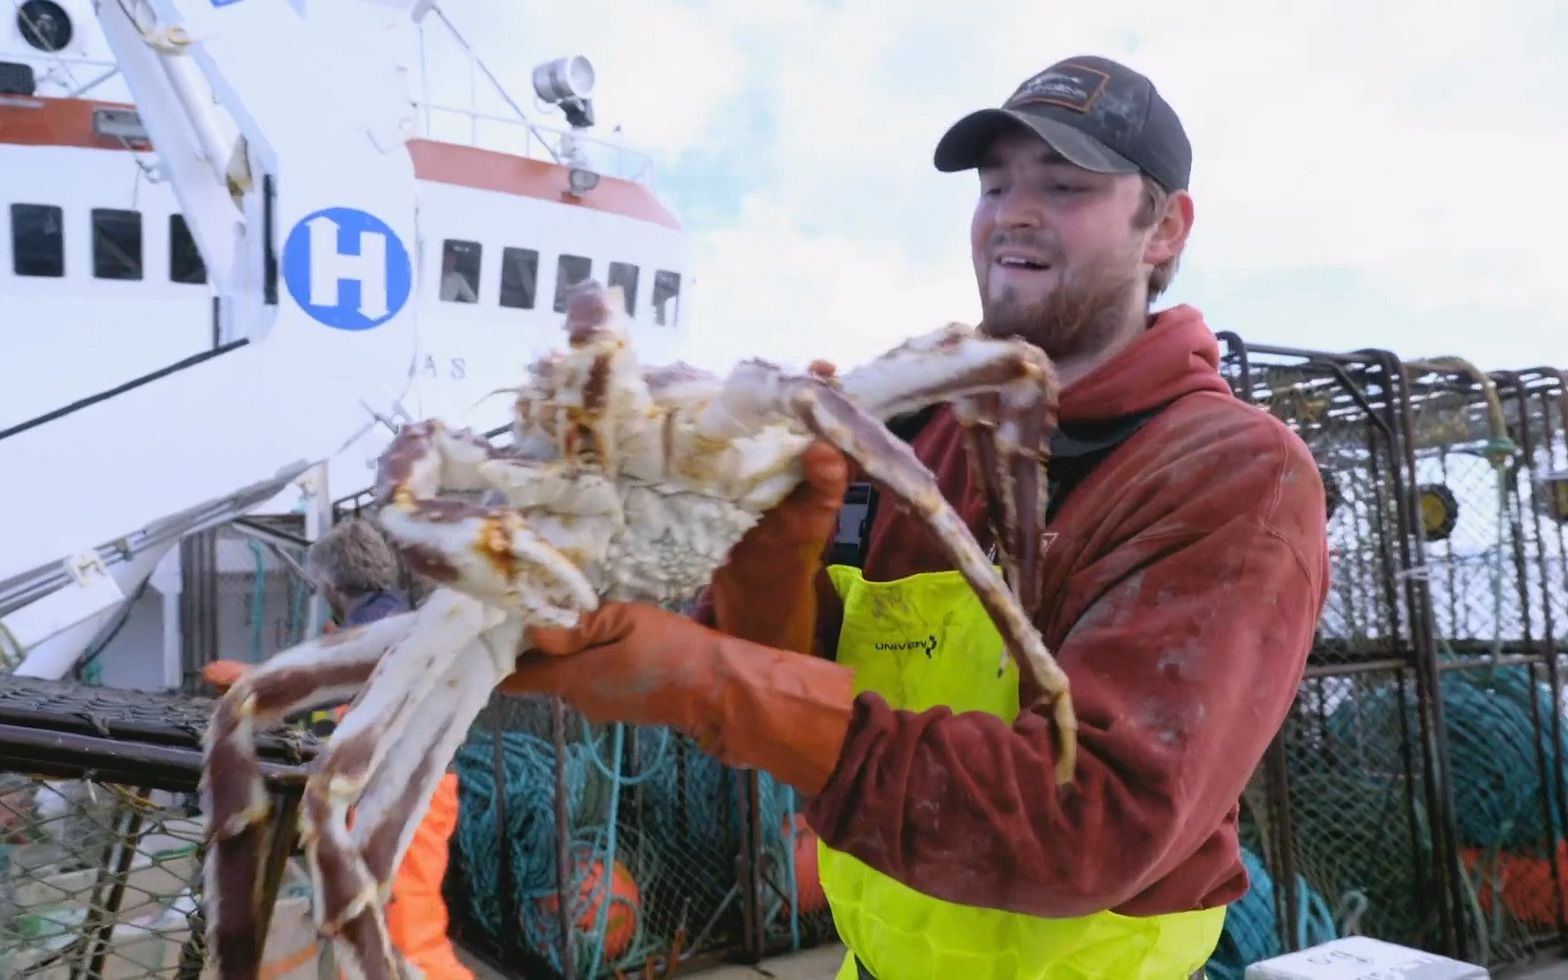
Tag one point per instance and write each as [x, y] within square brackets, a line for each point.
[357, 573]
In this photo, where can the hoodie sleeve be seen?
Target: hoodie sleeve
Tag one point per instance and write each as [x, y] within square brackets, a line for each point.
[1184, 660]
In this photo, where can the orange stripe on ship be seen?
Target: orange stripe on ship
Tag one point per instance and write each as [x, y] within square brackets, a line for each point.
[69, 123]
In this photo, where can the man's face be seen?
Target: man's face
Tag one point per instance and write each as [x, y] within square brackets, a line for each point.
[1057, 258]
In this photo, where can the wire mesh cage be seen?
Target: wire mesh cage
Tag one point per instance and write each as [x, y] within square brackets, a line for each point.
[792, 907]
[1536, 401]
[101, 837]
[1495, 600]
[1341, 407]
[1467, 462]
[262, 596]
[575, 798]
[98, 878]
[1340, 806]
[1415, 791]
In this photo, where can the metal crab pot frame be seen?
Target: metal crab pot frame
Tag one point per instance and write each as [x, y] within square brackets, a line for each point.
[586, 850]
[1347, 409]
[1369, 801]
[114, 751]
[1496, 597]
[708, 863]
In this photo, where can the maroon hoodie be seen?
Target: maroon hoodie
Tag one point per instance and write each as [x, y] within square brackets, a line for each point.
[1181, 593]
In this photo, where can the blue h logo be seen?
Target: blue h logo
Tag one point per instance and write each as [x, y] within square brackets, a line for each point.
[346, 269]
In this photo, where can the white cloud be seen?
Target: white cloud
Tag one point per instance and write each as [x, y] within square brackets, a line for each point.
[791, 296]
[1415, 150]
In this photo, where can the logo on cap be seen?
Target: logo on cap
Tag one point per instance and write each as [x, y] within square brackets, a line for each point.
[1068, 85]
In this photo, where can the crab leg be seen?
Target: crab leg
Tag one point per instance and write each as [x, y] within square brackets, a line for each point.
[399, 791]
[348, 907]
[328, 669]
[1004, 393]
[970, 365]
[889, 461]
[384, 761]
[1008, 448]
[489, 553]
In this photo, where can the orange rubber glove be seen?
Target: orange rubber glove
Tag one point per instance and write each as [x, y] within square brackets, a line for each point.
[745, 703]
[765, 592]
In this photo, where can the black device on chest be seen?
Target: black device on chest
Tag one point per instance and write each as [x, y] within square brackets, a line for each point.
[1074, 453]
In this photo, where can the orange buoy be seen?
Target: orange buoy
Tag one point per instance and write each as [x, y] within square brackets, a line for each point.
[621, 921]
[808, 886]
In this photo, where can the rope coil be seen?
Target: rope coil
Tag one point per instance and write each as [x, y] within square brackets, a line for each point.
[686, 822]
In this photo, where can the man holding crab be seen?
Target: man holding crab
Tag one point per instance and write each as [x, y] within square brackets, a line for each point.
[1185, 567]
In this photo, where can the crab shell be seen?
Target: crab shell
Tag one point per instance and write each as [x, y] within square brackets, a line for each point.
[623, 482]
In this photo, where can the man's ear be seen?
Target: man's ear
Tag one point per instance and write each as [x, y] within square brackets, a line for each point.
[1169, 235]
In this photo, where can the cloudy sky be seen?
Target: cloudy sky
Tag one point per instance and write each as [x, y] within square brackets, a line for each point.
[1386, 173]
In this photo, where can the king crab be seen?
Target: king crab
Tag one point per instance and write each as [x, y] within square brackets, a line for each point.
[623, 483]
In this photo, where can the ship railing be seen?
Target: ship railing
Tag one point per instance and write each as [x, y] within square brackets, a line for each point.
[509, 134]
[63, 75]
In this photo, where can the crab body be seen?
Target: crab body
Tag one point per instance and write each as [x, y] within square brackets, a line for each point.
[622, 483]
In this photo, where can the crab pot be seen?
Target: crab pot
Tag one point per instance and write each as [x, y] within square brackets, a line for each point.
[1341, 802]
[1416, 785]
[243, 595]
[791, 910]
[1497, 599]
[101, 844]
[584, 849]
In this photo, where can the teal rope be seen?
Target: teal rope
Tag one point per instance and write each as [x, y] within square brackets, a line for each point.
[1251, 932]
[529, 789]
[1491, 746]
[662, 857]
[789, 864]
[297, 617]
[258, 600]
[608, 878]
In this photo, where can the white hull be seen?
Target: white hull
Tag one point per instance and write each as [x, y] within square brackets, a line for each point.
[137, 394]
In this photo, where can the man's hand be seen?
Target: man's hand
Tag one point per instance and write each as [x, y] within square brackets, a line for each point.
[804, 522]
[745, 703]
[764, 592]
[623, 662]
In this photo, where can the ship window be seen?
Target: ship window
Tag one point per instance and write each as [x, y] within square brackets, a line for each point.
[571, 270]
[44, 25]
[185, 264]
[666, 297]
[117, 244]
[624, 275]
[37, 240]
[519, 277]
[460, 271]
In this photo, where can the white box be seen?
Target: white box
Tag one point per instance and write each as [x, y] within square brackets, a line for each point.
[1362, 958]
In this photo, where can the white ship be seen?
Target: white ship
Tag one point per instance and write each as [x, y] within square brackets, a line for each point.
[239, 244]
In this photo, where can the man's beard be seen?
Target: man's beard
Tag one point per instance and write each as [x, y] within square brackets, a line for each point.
[1080, 315]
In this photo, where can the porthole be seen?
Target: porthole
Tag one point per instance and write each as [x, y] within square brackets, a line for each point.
[45, 25]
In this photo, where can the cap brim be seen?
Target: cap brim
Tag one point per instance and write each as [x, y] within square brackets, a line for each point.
[964, 145]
